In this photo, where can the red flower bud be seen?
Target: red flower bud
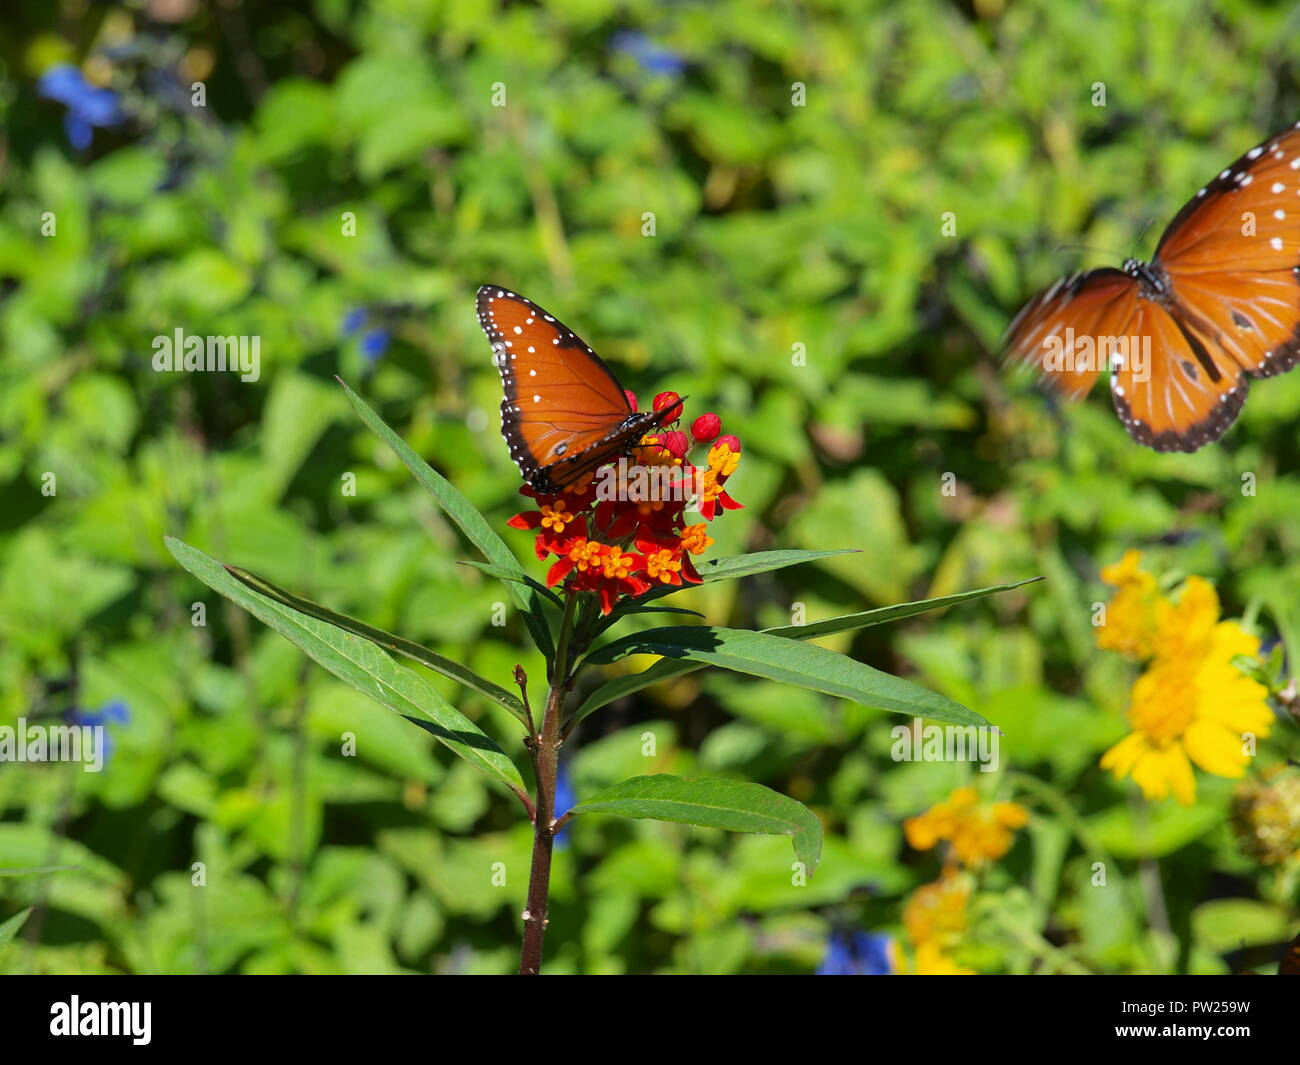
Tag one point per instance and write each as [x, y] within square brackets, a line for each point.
[677, 443]
[705, 428]
[669, 399]
[731, 442]
[631, 398]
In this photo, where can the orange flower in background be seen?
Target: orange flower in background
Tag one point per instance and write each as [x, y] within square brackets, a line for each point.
[977, 831]
[622, 543]
[1131, 613]
[1191, 706]
[935, 920]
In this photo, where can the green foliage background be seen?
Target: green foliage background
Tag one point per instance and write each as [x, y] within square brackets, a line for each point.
[775, 226]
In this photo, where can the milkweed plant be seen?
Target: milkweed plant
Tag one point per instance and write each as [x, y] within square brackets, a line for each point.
[610, 556]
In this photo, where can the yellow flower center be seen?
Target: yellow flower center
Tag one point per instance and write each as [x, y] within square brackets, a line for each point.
[1165, 701]
[662, 566]
[555, 517]
[696, 539]
[584, 554]
[617, 564]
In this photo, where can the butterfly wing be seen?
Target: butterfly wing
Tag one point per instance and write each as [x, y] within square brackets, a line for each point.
[1290, 965]
[1229, 311]
[1231, 256]
[1164, 394]
[1062, 331]
[564, 412]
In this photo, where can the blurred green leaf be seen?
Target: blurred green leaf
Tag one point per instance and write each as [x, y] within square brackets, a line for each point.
[361, 665]
[414, 651]
[469, 520]
[11, 927]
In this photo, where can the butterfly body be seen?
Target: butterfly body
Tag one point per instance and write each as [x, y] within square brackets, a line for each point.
[564, 413]
[1183, 335]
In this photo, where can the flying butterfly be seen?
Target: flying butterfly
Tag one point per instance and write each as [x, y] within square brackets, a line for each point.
[564, 414]
[1290, 964]
[1183, 335]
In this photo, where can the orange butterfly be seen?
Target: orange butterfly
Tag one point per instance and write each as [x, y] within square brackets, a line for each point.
[564, 413]
[1184, 334]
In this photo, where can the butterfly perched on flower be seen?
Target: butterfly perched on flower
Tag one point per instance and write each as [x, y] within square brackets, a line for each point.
[564, 413]
[1183, 335]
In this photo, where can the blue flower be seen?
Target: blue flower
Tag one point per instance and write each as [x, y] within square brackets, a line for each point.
[565, 799]
[115, 711]
[649, 56]
[354, 320]
[374, 343]
[858, 954]
[88, 106]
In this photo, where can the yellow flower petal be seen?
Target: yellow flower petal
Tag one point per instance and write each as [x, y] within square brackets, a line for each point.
[1215, 749]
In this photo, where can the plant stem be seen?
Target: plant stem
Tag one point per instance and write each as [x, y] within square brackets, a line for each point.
[547, 761]
[546, 765]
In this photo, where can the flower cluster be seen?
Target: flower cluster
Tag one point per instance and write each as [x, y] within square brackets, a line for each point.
[977, 831]
[935, 920]
[1266, 816]
[623, 530]
[1191, 704]
[88, 105]
[858, 953]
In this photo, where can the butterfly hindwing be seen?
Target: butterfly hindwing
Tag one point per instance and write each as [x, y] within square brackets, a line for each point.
[1178, 395]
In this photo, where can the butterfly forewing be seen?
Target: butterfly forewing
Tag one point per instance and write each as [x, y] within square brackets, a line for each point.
[564, 412]
[1231, 256]
[1060, 331]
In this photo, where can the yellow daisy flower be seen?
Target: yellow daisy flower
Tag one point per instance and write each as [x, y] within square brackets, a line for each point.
[1131, 614]
[1192, 705]
[931, 961]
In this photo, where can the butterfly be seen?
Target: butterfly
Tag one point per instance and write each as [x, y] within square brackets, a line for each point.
[1183, 335]
[1290, 965]
[564, 414]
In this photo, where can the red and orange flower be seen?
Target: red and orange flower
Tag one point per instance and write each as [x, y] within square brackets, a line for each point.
[624, 529]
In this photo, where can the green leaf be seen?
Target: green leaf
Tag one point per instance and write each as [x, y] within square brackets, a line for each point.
[501, 573]
[38, 870]
[662, 610]
[786, 661]
[470, 521]
[389, 642]
[10, 928]
[667, 668]
[360, 664]
[880, 615]
[725, 569]
[735, 805]
[1225, 925]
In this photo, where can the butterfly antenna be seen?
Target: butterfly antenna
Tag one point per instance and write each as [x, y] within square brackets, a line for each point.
[1140, 236]
[1085, 247]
